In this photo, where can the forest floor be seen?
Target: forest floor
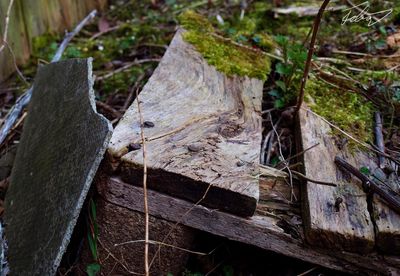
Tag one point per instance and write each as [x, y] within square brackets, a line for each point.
[355, 72]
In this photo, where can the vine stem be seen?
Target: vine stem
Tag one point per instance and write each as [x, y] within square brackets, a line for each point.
[316, 24]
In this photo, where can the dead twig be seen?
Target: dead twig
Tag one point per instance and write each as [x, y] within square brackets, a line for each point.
[110, 109]
[96, 35]
[23, 100]
[302, 176]
[129, 99]
[180, 220]
[264, 147]
[165, 244]
[146, 205]
[6, 23]
[126, 67]
[292, 194]
[317, 22]
[379, 138]
[117, 260]
[298, 154]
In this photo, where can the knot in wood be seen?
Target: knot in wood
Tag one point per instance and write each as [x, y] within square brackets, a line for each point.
[230, 130]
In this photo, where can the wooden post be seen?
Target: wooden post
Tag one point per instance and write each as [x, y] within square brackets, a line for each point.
[335, 217]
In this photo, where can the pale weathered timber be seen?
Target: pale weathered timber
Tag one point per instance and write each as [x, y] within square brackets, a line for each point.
[203, 129]
[334, 217]
[260, 230]
[62, 144]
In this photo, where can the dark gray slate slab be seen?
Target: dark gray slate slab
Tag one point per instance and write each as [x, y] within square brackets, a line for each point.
[62, 144]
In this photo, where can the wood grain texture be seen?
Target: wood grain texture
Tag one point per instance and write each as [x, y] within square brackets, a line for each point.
[207, 131]
[346, 225]
[260, 230]
[387, 223]
[62, 144]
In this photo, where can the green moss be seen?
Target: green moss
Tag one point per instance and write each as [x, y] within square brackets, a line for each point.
[193, 21]
[346, 109]
[227, 57]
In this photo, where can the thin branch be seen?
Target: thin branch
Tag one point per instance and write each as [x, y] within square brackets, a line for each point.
[7, 21]
[23, 100]
[164, 244]
[126, 67]
[317, 22]
[181, 219]
[292, 194]
[132, 90]
[117, 260]
[15, 63]
[146, 206]
[379, 138]
[110, 109]
[70, 35]
[298, 154]
[302, 176]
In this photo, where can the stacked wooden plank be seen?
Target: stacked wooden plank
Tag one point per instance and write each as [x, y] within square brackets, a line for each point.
[202, 129]
[188, 152]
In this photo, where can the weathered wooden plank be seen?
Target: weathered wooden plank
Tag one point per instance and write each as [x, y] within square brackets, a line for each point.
[207, 131]
[387, 222]
[62, 144]
[118, 225]
[336, 217]
[260, 231]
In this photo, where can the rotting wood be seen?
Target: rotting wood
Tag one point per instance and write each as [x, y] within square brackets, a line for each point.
[207, 131]
[119, 225]
[336, 217]
[260, 230]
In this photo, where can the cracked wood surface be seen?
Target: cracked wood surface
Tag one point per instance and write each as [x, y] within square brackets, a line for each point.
[207, 131]
[335, 217]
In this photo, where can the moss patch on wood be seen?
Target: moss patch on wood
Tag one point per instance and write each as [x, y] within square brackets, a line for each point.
[346, 109]
[226, 56]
